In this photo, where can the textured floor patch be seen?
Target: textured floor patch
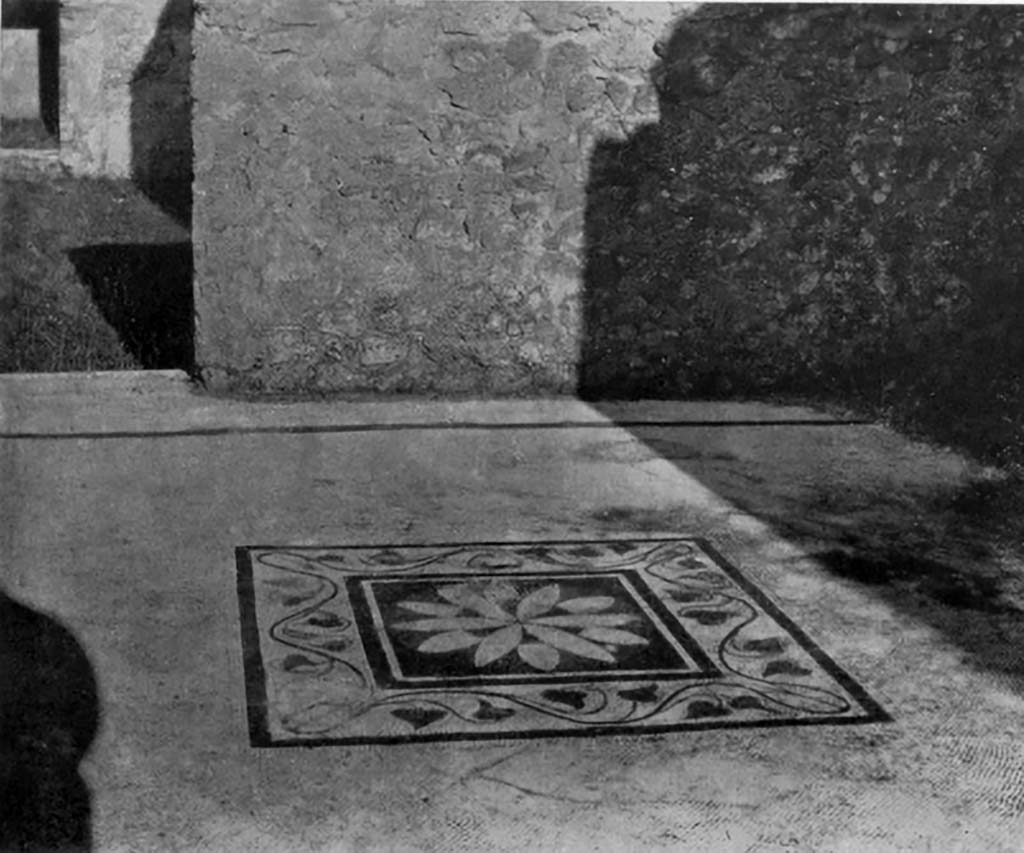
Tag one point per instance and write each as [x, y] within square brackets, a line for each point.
[390, 644]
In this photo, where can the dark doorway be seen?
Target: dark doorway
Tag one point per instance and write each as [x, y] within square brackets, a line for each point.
[36, 122]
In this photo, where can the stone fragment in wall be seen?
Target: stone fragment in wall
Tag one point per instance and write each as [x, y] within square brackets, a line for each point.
[525, 159]
[521, 93]
[461, 133]
[568, 235]
[287, 343]
[619, 92]
[928, 56]
[399, 143]
[532, 352]
[569, 193]
[280, 377]
[788, 28]
[567, 60]
[525, 208]
[522, 52]
[490, 225]
[531, 182]
[890, 23]
[300, 14]
[339, 325]
[770, 175]
[563, 151]
[482, 91]
[496, 352]
[868, 54]
[645, 99]
[476, 19]
[544, 126]
[400, 50]
[381, 352]
[698, 76]
[581, 93]
[893, 82]
[331, 375]
[475, 181]
[560, 274]
[471, 56]
[484, 156]
[557, 17]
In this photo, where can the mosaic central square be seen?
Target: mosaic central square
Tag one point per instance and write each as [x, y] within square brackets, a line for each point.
[504, 628]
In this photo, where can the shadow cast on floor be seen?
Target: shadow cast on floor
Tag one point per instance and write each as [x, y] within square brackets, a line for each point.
[145, 293]
[939, 554]
[49, 716]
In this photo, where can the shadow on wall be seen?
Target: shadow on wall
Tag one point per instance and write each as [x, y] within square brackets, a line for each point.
[145, 293]
[829, 205]
[161, 114]
[49, 715]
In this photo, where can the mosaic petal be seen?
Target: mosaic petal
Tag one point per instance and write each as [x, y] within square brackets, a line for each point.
[430, 608]
[570, 643]
[456, 623]
[449, 641]
[498, 644]
[615, 636]
[539, 601]
[539, 656]
[587, 603]
[586, 620]
[463, 596]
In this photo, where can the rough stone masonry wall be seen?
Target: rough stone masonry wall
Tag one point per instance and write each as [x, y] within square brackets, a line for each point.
[391, 196]
[831, 201]
[830, 190]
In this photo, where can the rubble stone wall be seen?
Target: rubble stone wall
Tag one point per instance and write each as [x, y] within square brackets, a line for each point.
[391, 196]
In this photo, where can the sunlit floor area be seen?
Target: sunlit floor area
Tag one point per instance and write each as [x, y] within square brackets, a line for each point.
[416, 625]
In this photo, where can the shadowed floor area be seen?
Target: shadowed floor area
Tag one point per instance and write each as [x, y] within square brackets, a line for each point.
[49, 714]
[70, 247]
[145, 293]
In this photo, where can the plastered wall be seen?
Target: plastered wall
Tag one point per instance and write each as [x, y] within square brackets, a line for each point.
[125, 98]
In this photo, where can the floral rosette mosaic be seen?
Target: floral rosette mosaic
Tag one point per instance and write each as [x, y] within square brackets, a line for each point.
[348, 645]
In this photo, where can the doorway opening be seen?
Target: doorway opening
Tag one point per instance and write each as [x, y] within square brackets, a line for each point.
[30, 75]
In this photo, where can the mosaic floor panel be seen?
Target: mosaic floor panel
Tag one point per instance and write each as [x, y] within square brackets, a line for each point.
[392, 644]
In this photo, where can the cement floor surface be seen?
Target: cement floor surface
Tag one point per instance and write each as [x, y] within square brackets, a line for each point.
[125, 494]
